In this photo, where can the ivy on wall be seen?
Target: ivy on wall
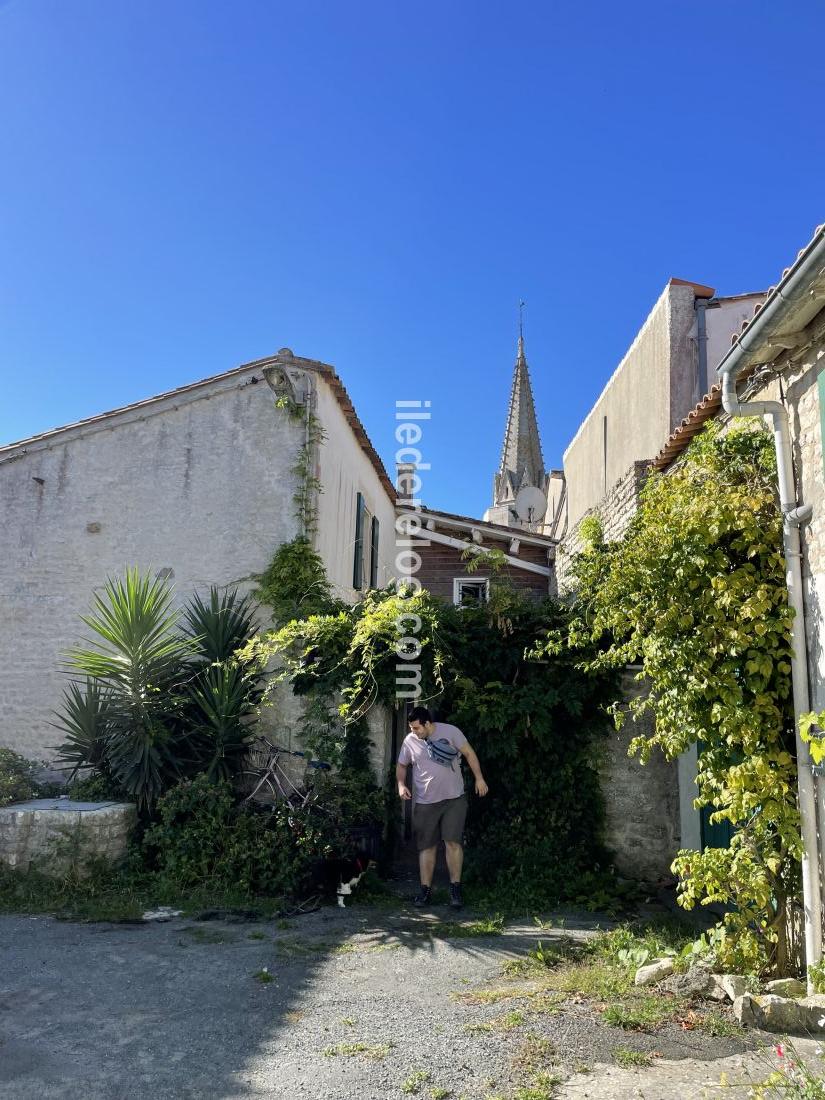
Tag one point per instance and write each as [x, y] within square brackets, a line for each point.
[695, 592]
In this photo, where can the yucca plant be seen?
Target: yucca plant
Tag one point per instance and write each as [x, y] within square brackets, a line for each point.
[138, 658]
[84, 719]
[220, 627]
[223, 693]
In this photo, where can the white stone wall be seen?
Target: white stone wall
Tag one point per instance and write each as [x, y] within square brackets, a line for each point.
[199, 484]
[345, 470]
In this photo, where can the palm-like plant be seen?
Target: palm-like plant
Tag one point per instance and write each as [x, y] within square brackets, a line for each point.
[224, 691]
[220, 627]
[137, 657]
[165, 696]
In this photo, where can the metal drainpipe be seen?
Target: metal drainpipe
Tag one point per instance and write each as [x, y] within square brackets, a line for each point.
[797, 285]
[793, 517]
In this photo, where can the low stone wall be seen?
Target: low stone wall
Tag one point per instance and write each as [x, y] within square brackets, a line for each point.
[57, 835]
[641, 802]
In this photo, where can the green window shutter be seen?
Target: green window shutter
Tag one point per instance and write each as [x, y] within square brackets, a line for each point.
[358, 559]
[374, 553]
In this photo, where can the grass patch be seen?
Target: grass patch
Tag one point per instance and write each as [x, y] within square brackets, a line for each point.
[544, 1087]
[207, 935]
[534, 1054]
[494, 996]
[119, 894]
[374, 1052]
[508, 1022]
[456, 930]
[264, 977]
[594, 978]
[643, 1013]
[257, 936]
[412, 1085]
[626, 1057]
[719, 1025]
[438, 1093]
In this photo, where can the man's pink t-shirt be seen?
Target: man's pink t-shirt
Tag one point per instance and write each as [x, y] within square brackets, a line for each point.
[434, 781]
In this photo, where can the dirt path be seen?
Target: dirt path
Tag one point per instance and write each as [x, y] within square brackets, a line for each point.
[361, 1004]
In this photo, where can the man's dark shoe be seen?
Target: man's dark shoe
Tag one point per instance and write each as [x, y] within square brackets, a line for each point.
[456, 897]
[423, 897]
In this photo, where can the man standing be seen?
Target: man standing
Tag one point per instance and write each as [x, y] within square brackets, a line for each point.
[435, 749]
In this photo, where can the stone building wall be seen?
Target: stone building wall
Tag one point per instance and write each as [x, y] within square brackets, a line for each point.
[197, 484]
[615, 511]
[641, 801]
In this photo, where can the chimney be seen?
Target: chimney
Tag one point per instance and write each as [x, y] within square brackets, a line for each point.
[407, 482]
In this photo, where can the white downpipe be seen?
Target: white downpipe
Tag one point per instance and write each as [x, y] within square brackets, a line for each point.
[792, 517]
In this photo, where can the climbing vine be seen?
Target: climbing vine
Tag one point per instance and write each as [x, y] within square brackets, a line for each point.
[695, 592]
[305, 497]
[535, 722]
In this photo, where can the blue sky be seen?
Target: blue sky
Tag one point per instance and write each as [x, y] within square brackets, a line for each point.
[189, 185]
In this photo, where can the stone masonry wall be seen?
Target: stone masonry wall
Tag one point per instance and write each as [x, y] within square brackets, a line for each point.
[641, 801]
[615, 511]
[56, 836]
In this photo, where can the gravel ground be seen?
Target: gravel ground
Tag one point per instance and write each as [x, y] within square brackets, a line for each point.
[360, 1001]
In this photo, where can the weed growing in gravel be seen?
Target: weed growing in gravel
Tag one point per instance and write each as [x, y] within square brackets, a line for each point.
[438, 1093]
[493, 996]
[375, 1052]
[256, 936]
[508, 1022]
[263, 976]
[454, 930]
[349, 1021]
[294, 1017]
[412, 1086]
[643, 1013]
[544, 1087]
[534, 1054]
[626, 1057]
[719, 1025]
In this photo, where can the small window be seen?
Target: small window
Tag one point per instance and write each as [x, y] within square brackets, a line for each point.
[358, 555]
[374, 552]
[468, 592]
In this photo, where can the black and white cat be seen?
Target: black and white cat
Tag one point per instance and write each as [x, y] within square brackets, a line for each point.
[350, 873]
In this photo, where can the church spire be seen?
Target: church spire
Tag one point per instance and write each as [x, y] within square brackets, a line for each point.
[521, 458]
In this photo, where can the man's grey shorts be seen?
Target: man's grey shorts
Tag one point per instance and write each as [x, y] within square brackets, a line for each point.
[434, 821]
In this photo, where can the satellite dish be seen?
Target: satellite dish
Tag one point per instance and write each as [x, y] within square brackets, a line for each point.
[530, 504]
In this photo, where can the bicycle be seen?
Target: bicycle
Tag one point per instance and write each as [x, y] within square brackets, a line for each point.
[270, 780]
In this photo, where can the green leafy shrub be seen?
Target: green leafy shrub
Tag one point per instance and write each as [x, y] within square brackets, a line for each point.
[17, 777]
[695, 592]
[295, 583]
[202, 836]
[536, 722]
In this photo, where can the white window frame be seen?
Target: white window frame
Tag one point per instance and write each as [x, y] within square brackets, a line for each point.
[477, 581]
